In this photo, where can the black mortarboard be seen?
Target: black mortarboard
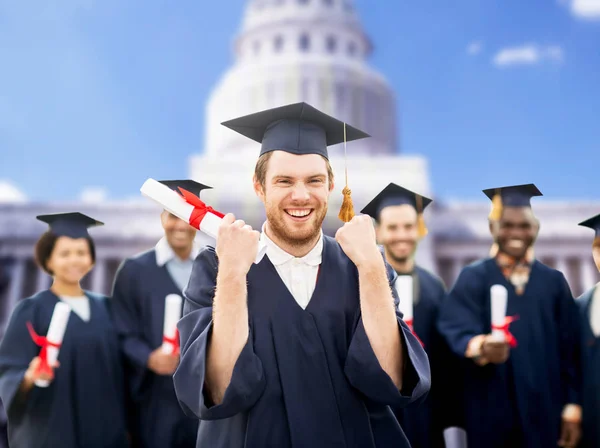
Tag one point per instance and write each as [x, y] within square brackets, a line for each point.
[296, 128]
[593, 223]
[72, 225]
[190, 185]
[396, 195]
[511, 196]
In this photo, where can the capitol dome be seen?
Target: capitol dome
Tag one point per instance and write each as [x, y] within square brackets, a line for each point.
[289, 51]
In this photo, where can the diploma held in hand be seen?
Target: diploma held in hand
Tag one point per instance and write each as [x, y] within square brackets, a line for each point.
[50, 344]
[191, 209]
[404, 288]
[170, 344]
[500, 322]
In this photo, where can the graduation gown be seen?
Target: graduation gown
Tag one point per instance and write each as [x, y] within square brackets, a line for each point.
[518, 403]
[424, 423]
[84, 405]
[306, 377]
[590, 356]
[139, 293]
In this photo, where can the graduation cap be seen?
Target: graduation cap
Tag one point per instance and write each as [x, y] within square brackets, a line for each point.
[186, 184]
[299, 129]
[511, 196]
[396, 195]
[593, 223]
[72, 225]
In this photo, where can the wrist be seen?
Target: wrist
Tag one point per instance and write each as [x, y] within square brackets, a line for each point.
[371, 263]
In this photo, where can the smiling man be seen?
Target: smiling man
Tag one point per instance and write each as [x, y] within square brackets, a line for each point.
[141, 285]
[305, 348]
[398, 214]
[526, 395]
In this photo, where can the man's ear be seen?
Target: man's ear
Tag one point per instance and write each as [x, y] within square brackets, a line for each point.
[258, 189]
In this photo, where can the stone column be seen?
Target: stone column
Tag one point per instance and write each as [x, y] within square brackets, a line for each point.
[42, 281]
[99, 276]
[16, 286]
[588, 273]
[561, 265]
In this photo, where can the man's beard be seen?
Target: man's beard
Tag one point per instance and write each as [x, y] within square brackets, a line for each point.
[282, 231]
[402, 258]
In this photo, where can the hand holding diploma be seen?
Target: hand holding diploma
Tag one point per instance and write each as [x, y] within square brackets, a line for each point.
[496, 347]
[40, 370]
[191, 209]
[173, 303]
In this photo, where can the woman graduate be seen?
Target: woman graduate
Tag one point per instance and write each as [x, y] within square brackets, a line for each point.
[589, 314]
[83, 404]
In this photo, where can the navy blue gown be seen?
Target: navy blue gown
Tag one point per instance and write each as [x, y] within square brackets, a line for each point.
[139, 293]
[305, 378]
[425, 422]
[518, 403]
[590, 356]
[84, 405]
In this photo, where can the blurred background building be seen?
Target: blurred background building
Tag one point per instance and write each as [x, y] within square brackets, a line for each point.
[285, 52]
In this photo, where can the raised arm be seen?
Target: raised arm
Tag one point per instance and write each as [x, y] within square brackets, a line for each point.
[219, 374]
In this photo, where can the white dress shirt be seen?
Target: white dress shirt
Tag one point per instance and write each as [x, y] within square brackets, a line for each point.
[180, 270]
[79, 305]
[595, 311]
[298, 274]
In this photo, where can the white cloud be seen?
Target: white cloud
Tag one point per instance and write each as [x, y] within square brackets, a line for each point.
[528, 54]
[584, 9]
[9, 193]
[474, 48]
[93, 195]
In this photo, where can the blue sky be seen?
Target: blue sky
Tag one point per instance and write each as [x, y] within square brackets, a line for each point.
[107, 93]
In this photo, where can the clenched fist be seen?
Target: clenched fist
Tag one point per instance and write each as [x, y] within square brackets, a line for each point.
[496, 352]
[358, 241]
[237, 244]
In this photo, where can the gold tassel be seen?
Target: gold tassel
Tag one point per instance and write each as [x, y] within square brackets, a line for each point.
[421, 227]
[496, 212]
[347, 210]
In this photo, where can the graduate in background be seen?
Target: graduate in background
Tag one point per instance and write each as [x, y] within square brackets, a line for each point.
[84, 404]
[141, 286]
[398, 214]
[306, 347]
[589, 312]
[522, 392]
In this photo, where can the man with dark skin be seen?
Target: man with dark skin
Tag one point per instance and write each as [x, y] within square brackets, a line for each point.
[524, 391]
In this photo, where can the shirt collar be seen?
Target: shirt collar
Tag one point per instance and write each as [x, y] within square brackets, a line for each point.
[165, 253]
[278, 256]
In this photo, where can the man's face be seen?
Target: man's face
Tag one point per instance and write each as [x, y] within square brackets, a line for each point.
[596, 252]
[397, 231]
[295, 195]
[516, 231]
[180, 235]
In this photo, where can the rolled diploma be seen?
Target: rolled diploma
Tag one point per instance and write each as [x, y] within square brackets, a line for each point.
[175, 204]
[455, 437]
[404, 288]
[172, 316]
[56, 332]
[499, 297]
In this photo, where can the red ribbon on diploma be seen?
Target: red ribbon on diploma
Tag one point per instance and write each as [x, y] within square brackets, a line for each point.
[173, 341]
[44, 343]
[512, 341]
[410, 325]
[200, 208]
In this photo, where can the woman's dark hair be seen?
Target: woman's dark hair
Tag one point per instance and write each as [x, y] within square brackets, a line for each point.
[45, 246]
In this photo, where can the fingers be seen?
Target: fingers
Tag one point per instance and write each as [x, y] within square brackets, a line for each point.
[239, 223]
[229, 218]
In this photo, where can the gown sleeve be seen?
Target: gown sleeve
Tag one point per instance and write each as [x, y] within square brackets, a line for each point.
[461, 313]
[363, 370]
[248, 379]
[126, 311]
[570, 352]
[16, 352]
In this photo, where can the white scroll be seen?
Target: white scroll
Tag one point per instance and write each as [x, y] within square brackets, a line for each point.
[173, 304]
[177, 205]
[455, 437]
[499, 297]
[404, 288]
[56, 332]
